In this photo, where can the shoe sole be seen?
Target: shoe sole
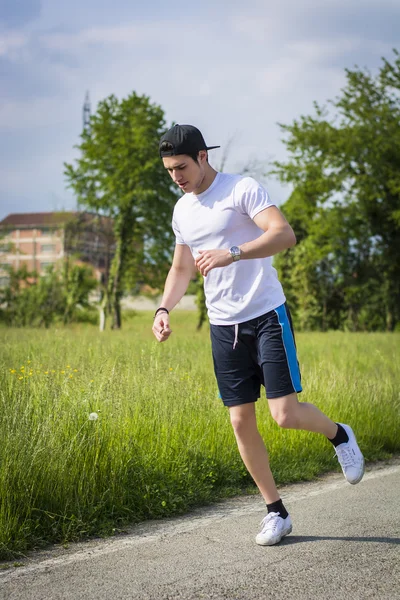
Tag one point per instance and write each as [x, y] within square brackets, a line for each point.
[360, 477]
[275, 541]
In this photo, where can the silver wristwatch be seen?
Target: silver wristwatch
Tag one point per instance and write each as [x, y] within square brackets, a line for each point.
[235, 253]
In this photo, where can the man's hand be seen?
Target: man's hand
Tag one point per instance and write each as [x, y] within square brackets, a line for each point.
[161, 326]
[211, 259]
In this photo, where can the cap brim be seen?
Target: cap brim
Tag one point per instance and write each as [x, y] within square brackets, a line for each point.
[212, 147]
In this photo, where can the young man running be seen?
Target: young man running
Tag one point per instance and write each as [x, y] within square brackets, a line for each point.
[227, 227]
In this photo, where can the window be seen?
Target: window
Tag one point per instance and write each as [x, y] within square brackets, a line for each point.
[48, 248]
[45, 265]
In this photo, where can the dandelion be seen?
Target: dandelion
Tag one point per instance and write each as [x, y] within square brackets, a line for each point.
[63, 372]
[53, 371]
[68, 367]
[75, 370]
[171, 369]
[92, 380]
[13, 371]
[71, 376]
[29, 361]
[20, 377]
[93, 416]
[46, 372]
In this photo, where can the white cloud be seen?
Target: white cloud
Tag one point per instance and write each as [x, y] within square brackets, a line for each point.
[126, 35]
[11, 42]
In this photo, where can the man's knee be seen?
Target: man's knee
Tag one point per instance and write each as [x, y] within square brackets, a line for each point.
[243, 422]
[285, 419]
[284, 413]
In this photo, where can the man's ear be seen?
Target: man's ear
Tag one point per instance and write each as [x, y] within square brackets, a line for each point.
[202, 157]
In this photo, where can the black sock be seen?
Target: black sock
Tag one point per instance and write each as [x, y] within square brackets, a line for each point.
[341, 437]
[278, 507]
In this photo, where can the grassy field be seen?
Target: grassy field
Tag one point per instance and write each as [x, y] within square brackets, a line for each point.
[101, 430]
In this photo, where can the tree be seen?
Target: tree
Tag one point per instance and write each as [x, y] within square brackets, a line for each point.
[345, 207]
[120, 175]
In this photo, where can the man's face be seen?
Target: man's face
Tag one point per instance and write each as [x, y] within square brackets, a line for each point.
[185, 172]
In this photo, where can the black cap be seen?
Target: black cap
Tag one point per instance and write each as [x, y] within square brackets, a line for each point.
[184, 139]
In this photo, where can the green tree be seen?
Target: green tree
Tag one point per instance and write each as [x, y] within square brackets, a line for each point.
[120, 175]
[345, 207]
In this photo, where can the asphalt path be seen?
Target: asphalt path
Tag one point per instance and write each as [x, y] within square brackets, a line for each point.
[345, 545]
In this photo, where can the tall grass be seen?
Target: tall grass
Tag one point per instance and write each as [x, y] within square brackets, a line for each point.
[161, 441]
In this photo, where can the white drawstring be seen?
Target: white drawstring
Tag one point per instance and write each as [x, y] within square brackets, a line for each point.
[236, 335]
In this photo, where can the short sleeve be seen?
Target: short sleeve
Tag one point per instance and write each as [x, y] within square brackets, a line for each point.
[176, 231]
[251, 197]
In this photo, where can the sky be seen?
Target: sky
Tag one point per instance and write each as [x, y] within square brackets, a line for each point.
[235, 69]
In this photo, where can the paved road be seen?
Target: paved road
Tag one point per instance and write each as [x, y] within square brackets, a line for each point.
[345, 545]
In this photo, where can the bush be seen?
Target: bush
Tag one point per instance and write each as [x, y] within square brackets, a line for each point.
[38, 301]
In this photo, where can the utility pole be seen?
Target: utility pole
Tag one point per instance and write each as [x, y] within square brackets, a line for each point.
[86, 113]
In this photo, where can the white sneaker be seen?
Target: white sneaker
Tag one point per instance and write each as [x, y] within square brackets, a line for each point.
[273, 529]
[350, 457]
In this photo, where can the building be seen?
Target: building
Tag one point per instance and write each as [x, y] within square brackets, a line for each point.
[38, 240]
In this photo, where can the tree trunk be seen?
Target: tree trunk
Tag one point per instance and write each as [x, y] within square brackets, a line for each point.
[115, 284]
[117, 322]
[102, 318]
[201, 303]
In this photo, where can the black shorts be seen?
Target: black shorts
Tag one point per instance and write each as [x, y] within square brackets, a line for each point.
[259, 351]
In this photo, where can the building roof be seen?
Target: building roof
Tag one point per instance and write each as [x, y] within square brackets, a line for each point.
[36, 219]
[44, 219]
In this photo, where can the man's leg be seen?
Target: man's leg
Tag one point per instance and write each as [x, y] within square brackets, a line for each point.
[289, 413]
[278, 360]
[277, 524]
[252, 449]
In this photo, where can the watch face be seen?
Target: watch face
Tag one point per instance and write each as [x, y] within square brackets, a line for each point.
[235, 253]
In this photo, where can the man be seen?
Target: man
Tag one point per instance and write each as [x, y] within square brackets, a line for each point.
[227, 227]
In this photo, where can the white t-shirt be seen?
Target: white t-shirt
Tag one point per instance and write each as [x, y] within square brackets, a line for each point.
[219, 218]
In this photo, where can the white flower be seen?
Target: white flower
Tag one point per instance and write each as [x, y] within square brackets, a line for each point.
[93, 417]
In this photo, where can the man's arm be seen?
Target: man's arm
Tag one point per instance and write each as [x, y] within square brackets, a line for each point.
[176, 284]
[277, 236]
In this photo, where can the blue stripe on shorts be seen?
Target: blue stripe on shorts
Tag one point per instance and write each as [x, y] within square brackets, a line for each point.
[290, 348]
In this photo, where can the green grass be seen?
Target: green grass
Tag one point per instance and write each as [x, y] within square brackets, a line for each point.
[162, 441]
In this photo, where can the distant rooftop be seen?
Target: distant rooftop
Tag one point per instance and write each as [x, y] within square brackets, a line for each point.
[43, 219]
